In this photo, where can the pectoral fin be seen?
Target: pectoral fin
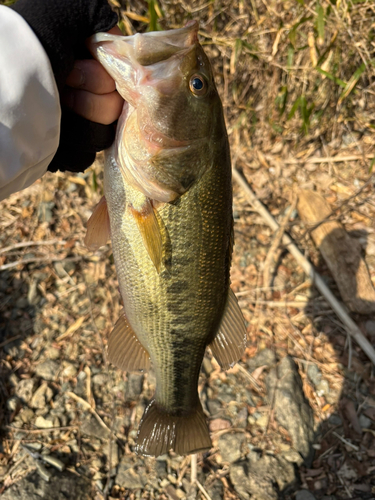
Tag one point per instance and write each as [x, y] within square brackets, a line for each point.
[98, 228]
[149, 228]
[229, 344]
[124, 349]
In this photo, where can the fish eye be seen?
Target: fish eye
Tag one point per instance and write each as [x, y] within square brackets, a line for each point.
[198, 85]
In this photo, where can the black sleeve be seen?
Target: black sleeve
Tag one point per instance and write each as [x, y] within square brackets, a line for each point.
[62, 27]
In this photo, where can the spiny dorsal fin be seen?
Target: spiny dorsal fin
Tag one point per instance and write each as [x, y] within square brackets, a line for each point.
[149, 228]
[160, 431]
[229, 344]
[124, 349]
[98, 228]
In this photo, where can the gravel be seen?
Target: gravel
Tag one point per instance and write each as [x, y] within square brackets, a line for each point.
[230, 446]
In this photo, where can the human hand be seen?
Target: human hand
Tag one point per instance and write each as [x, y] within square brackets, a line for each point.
[91, 92]
[87, 94]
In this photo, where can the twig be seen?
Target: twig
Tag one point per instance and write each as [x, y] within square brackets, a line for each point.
[345, 441]
[87, 405]
[31, 244]
[203, 491]
[37, 431]
[257, 387]
[11, 265]
[326, 159]
[193, 471]
[270, 262]
[350, 326]
[7, 341]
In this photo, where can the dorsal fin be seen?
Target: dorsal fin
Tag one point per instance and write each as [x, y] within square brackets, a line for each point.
[229, 344]
[149, 228]
[124, 349]
[98, 228]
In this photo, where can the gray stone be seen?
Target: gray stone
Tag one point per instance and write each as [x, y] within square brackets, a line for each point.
[262, 479]
[61, 486]
[129, 478]
[365, 422]
[214, 406]
[292, 409]
[47, 370]
[25, 388]
[264, 357]
[314, 374]
[135, 385]
[230, 446]
[304, 495]
[112, 452]
[91, 427]
[370, 327]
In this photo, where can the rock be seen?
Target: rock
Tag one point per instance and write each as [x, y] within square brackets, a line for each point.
[112, 453]
[216, 491]
[264, 357]
[230, 446]
[61, 486]
[128, 478]
[262, 479]
[47, 370]
[370, 327]
[53, 353]
[365, 422]
[91, 427]
[292, 410]
[100, 379]
[25, 388]
[314, 374]
[13, 403]
[41, 395]
[43, 423]
[322, 389]
[293, 456]
[26, 415]
[214, 407]
[69, 370]
[304, 495]
[135, 386]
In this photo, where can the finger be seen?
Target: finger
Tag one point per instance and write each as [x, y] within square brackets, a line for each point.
[90, 75]
[105, 108]
[115, 31]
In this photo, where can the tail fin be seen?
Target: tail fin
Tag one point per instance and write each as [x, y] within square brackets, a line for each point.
[160, 432]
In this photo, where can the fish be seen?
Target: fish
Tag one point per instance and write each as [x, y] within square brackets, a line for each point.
[167, 208]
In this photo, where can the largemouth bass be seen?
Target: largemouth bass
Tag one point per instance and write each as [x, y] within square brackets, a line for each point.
[168, 193]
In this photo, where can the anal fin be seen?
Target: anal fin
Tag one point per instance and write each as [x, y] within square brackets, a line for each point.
[160, 431]
[229, 344]
[98, 228]
[149, 228]
[124, 349]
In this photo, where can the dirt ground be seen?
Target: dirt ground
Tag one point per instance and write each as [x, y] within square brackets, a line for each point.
[297, 81]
